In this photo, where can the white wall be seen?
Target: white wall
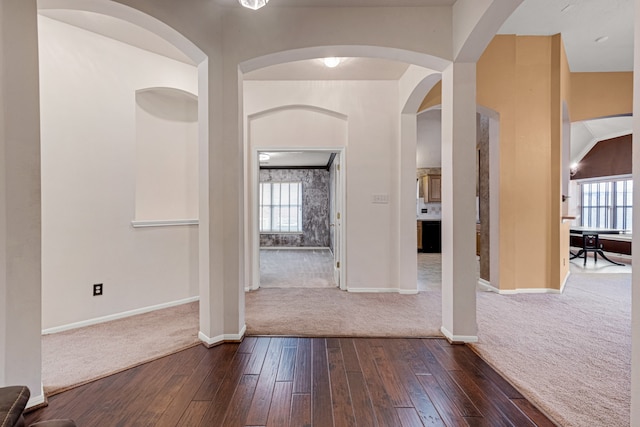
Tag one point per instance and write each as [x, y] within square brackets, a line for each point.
[429, 144]
[371, 109]
[88, 121]
[166, 155]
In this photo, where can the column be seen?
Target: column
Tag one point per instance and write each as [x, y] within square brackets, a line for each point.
[458, 202]
[20, 202]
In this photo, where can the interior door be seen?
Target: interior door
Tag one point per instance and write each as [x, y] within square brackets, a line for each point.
[337, 222]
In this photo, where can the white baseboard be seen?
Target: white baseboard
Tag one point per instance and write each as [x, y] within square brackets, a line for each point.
[486, 286]
[122, 315]
[210, 342]
[458, 338]
[383, 291]
[38, 399]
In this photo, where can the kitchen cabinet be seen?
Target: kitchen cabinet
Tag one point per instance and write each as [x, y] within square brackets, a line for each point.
[431, 236]
[431, 188]
[419, 236]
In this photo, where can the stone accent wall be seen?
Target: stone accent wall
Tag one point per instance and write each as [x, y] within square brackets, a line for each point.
[483, 194]
[315, 208]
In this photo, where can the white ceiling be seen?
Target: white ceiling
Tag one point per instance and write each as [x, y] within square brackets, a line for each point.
[296, 158]
[346, 3]
[580, 22]
[348, 69]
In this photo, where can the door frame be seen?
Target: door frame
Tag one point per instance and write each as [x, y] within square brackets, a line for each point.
[255, 203]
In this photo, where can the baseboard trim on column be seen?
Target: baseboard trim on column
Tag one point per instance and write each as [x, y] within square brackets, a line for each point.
[221, 339]
[37, 401]
[458, 339]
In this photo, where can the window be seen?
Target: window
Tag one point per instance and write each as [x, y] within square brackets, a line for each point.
[607, 204]
[280, 207]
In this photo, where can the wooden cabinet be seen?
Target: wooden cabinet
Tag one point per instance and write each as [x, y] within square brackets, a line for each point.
[431, 188]
[420, 236]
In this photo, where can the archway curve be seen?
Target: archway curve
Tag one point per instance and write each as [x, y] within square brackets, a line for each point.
[365, 51]
[306, 107]
[134, 16]
[252, 252]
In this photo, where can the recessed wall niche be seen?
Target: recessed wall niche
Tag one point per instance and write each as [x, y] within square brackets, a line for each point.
[166, 154]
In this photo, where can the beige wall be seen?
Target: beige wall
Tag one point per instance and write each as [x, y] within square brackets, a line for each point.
[526, 80]
[596, 95]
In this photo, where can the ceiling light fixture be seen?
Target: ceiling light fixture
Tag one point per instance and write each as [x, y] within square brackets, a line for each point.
[253, 4]
[331, 62]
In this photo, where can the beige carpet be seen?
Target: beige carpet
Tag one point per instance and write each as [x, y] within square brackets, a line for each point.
[296, 268]
[75, 357]
[570, 354]
[573, 361]
[332, 312]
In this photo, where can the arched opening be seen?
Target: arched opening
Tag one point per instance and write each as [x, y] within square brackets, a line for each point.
[400, 190]
[106, 138]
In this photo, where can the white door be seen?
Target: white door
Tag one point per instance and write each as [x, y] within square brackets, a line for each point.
[336, 222]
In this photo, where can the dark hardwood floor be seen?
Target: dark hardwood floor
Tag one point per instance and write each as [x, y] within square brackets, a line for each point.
[303, 382]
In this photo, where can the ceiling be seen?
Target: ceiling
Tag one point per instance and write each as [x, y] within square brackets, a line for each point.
[306, 158]
[581, 23]
[346, 3]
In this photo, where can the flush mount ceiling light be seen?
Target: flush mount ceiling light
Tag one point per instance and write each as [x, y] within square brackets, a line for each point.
[331, 62]
[253, 4]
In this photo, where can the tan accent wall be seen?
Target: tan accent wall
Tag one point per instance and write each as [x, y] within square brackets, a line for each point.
[521, 79]
[433, 98]
[526, 79]
[596, 95]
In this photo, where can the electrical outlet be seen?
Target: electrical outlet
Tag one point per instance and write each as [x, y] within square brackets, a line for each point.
[97, 289]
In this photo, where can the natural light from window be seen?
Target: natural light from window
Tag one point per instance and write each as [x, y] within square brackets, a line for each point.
[607, 204]
[281, 207]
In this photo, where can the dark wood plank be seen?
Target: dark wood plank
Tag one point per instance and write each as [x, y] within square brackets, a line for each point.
[483, 388]
[408, 417]
[247, 345]
[350, 356]
[280, 410]
[258, 355]
[450, 387]
[467, 358]
[220, 401]
[236, 413]
[424, 408]
[287, 366]
[193, 414]
[362, 406]
[383, 408]
[342, 409]
[210, 373]
[301, 410]
[259, 411]
[394, 387]
[483, 401]
[532, 412]
[333, 342]
[448, 411]
[347, 383]
[302, 375]
[322, 413]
